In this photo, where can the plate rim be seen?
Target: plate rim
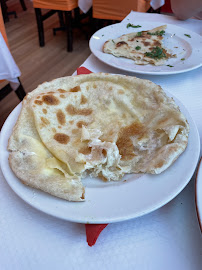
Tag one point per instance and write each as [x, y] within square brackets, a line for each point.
[121, 217]
[145, 72]
[198, 172]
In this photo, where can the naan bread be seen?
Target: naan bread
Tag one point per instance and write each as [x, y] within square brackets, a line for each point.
[99, 124]
[143, 47]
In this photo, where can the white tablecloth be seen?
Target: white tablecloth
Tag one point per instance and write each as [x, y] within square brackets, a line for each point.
[8, 69]
[168, 238]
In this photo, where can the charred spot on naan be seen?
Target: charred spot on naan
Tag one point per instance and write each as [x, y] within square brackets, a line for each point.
[155, 43]
[45, 121]
[74, 111]
[75, 89]
[61, 138]
[121, 43]
[62, 91]
[83, 99]
[104, 152]
[146, 43]
[85, 150]
[50, 100]
[38, 102]
[61, 117]
[81, 123]
[124, 142]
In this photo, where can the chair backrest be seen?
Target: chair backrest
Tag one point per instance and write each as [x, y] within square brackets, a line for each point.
[65, 5]
[118, 9]
[2, 27]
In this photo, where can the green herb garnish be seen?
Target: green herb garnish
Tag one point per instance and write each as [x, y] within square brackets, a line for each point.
[138, 48]
[113, 41]
[156, 53]
[139, 34]
[132, 25]
[169, 66]
[182, 59]
[187, 35]
[102, 35]
[157, 33]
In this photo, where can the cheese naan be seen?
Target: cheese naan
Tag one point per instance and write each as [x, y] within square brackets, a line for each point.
[98, 124]
[144, 47]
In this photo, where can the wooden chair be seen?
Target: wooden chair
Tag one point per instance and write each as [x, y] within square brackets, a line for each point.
[5, 12]
[66, 6]
[117, 9]
[5, 90]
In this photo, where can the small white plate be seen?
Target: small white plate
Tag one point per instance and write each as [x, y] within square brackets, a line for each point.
[108, 202]
[198, 193]
[175, 39]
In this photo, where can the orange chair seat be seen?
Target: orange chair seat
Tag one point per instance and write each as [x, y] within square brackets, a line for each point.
[117, 9]
[65, 5]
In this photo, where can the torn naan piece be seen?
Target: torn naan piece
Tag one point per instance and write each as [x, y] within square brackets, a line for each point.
[144, 47]
[98, 124]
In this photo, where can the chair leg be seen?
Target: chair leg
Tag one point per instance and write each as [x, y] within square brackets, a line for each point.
[5, 91]
[23, 5]
[20, 92]
[68, 22]
[4, 11]
[61, 19]
[39, 21]
[77, 17]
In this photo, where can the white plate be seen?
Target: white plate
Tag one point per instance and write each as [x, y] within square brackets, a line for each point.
[198, 193]
[188, 48]
[109, 202]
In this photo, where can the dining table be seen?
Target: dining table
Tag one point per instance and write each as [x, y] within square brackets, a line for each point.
[167, 238]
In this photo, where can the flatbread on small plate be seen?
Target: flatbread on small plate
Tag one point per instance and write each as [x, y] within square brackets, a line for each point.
[144, 47]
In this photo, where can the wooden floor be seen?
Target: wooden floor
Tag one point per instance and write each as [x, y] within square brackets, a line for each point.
[39, 64]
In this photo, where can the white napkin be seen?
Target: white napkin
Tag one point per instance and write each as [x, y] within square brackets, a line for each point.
[85, 5]
[8, 69]
[155, 4]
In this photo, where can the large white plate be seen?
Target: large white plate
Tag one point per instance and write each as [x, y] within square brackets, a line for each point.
[109, 202]
[198, 193]
[174, 39]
